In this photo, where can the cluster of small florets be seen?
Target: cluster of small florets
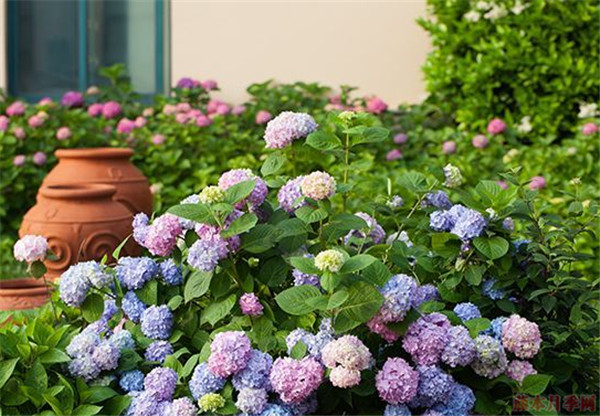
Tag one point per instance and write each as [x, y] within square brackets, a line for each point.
[156, 322]
[346, 357]
[490, 358]
[211, 195]
[235, 176]
[467, 311]
[295, 380]
[437, 199]
[301, 278]
[290, 195]
[79, 279]
[374, 231]
[426, 338]
[30, 248]
[464, 222]
[453, 176]
[250, 305]
[330, 261]
[160, 237]
[318, 186]
[521, 337]
[314, 342]
[287, 127]
[206, 253]
[134, 272]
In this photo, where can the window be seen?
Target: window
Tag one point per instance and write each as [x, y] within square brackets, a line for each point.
[58, 45]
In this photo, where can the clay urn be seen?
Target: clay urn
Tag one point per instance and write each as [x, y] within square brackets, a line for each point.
[26, 293]
[81, 222]
[104, 165]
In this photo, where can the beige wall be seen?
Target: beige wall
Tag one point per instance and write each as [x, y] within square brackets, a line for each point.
[376, 46]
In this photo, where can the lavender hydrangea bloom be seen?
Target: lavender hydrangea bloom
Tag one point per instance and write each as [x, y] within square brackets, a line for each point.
[518, 370]
[397, 294]
[437, 199]
[256, 373]
[426, 338]
[133, 307]
[425, 293]
[374, 231]
[235, 176]
[488, 289]
[157, 322]
[158, 351]
[289, 195]
[110, 309]
[85, 367]
[203, 381]
[467, 311]
[171, 273]
[106, 356]
[460, 221]
[273, 409]
[132, 381]
[314, 342]
[434, 386]
[141, 227]
[440, 221]
[134, 272]
[397, 382]
[508, 224]
[205, 254]
[145, 404]
[460, 401]
[251, 401]
[229, 353]
[395, 202]
[306, 407]
[161, 381]
[521, 337]
[123, 340]
[296, 380]
[79, 278]
[397, 410]
[460, 349]
[83, 344]
[181, 407]
[301, 278]
[490, 360]
[287, 127]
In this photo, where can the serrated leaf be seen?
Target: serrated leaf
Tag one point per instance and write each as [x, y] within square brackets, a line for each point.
[293, 300]
[214, 312]
[272, 164]
[492, 248]
[197, 285]
[239, 191]
[195, 212]
[323, 140]
[357, 263]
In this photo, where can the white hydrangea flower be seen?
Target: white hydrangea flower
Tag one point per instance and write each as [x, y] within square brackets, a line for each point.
[519, 7]
[496, 12]
[472, 16]
[330, 260]
[524, 126]
[587, 110]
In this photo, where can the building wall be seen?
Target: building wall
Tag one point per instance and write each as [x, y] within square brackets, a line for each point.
[3, 63]
[376, 46]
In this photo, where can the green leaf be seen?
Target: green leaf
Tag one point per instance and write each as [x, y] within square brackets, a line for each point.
[323, 140]
[117, 251]
[492, 248]
[445, 244]
[175, 302]
[195, 212]
[92, 307]
[377, 273]
[36, 377]
[214, 312]
[535, 384]
[260, 238]
[357, 263]
[273, 272]
[272, 164]
[474, 274]
[197, 285]
[117, 405]
[54, 355]
[239, 191]
[364, 300]
[87, 410]
[477, 325]
[6, 369]
[293, 300]
[38, 269]
[431, 306]
[337, 299]
[298, 351]
[97, 394]
[413, 181]
[240, 225]
[310, 214]
[371, 135]
[304, 264]
[149, 293]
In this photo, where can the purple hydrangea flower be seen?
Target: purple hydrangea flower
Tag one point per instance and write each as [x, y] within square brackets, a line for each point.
[235, 176]
[460, 401]
[85, 367]
[518, 370]
[171, 273]
[426, 338]
[306, 407]
[203, 381]
[460, 349]
[256, 373]
[314, 342]
[134, 272]
[397, 410]
[251, 401]
[374, 231]
[181, 407]
[437, 199]
[160, 237]
[296, 380]
[287, 127]
[490, 360]
[229, 353]
[521, 337]
[250, 305]
[79, 278]
[397, 294]
[467, 311]
[397, 382]
[157, 322]
[459, 220]
[205, 253]
[508, 224]
[132, 381]
[133, 307]
[434, 386]
[161, 381]
[123, 340]
[425, 293]
[289, 195]
[145, 404]
[72, 99]
[83, 344]
[158, 351]
[185, 83]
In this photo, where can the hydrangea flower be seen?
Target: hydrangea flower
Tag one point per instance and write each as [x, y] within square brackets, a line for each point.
[71, 99]
[397, 297]
[330, 260]
[397, 410]
[397, 382]
[211, 195]
[250, 305]
[401, 236]
[205, 253]
[262, 117]
[79, 278]
[295, 380]
[156, 322]
[132, 380]
[488, 289]
[425, 293]
[181, 407]
[287, 127]
[273, 409]
[123, 340]
[453, 176]
[426, 338]
[289, 195]
[30, 248]
[145, 404]
[518, 370]
[495, 329]
[490, 360]
[480, 141]
[467, 311]
[251, 401]
[318, 185]
[434, 386]
[449, 147]
[256, 373]
[171, 272]
[160, 237]
[83, 344]
[377, 325]
[111, 109]
[460, 401]
[158, 351]
[161, 381]
[460, 349]
[521, 337]
[437, 199]
[235, 176]
[314, 342]
[85, 367]
[496, 126]
[132, 306]
[347, 351]
[203, 381]
[211, 402]
[459, 220]
[229, 353]
[344, 378]
[395, 202]
[508, 224]
[374, 231]
[134, 272]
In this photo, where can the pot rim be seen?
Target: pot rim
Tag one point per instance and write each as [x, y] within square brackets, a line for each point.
[23, 286]
[95, 153]
[78, 191]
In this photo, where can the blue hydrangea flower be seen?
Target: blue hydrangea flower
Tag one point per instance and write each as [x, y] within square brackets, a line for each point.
[106, 355]
[134, 272]
[205, 254]
[314, 342]
[132, 381]
[440, 221]
[157, 322]
[437, 199]
[276, 410]
[467, 311]
[508, 224]
[495, 329]
[460, 401]
[397, 410]
[306, 407]
[110, 309]
[521, 244]
[256, 374]
[204, 382]
[395, 202]
[83, 344]
[425, 293]
[85, 367]
[161, 381]
[251, 401]
[133, 307]
[79, 278]
[488, 289]
[397, 294]
[434, 386]
[158, 351]
[468, 223]
[144, 404]
[460, 347]
[123, 340]
[171, 273]
[490, 360]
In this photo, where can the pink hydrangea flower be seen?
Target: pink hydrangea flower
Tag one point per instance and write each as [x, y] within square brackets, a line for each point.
[502, 184]
[230, 352]
[125, 126]
[183, 107]
[250, 305]
[287, 127]
[222, 109]
[521, 337]
[111, 109]
[377, 325]
[39, 158]
[203, 121]
[590, 128]
[449, 147]
[19, 160]
[63, 133]
[347, 351]
[296, 380]
[95, 109]
[394, 154]
[263, 117]
[160, 237]
[35, 121]
[397, 381]
[19, 133]
[158, 139]
[537, 182]
[518, 370]
[376, 105]
[45, 101]
[140, 122]
[4, 123]
[16, 109]
[343, 378]
[209, 84]
[182, 118]
[238, 109]
[400, 138]
[318, 185]
[496, 126]
[235, 176]
[31, 248]
[480, 141]
[169, 109]
[148, 112]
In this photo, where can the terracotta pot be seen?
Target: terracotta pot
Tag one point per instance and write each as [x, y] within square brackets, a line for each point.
[105, 165]
[81, 222]
[23, 294]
